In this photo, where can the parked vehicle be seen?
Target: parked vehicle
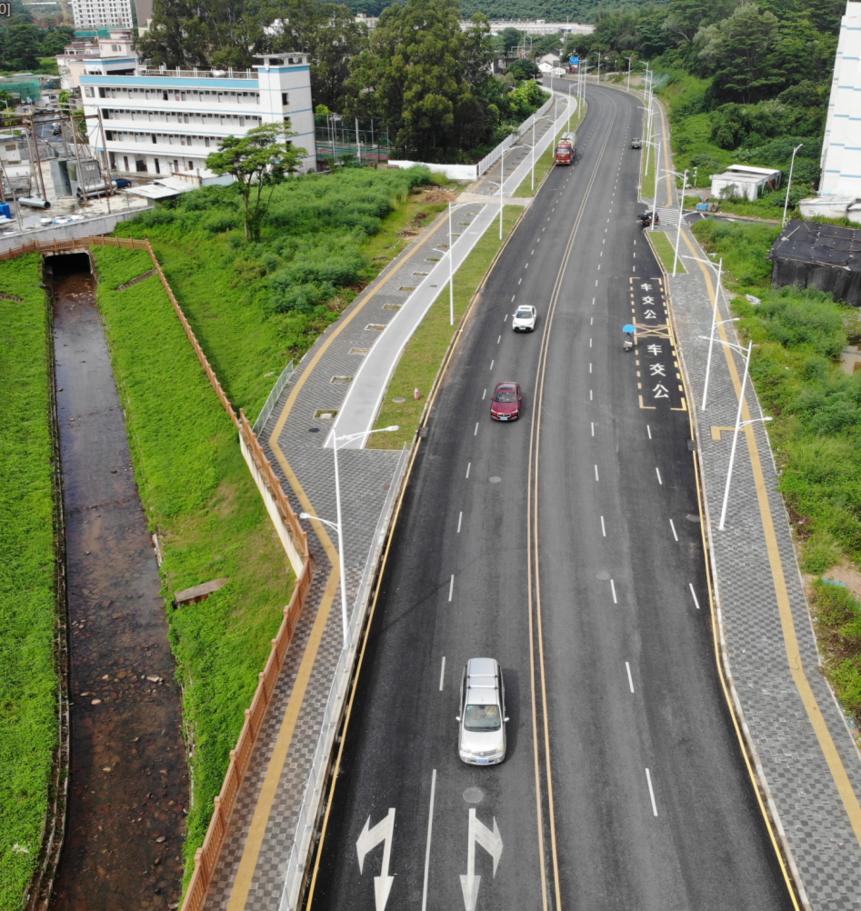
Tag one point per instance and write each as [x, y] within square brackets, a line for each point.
[524, 318]
[482, 718]
[648, 219]
[636, 143]
[506, 402]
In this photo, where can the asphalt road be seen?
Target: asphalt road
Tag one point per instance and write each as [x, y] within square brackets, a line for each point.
[567, 546]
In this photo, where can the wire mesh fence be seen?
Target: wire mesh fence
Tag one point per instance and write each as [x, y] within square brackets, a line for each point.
[343, 140]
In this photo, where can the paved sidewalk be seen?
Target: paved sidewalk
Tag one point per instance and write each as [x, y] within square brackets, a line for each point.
[254, 862]
[806, 759]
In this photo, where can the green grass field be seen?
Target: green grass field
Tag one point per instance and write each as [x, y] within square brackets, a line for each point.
[816, 432]
[666, 251]
[424, 353]
[28, 681]
[256, 306]
[200, 498]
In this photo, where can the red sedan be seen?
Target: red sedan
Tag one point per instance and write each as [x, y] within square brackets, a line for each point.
[506, 402]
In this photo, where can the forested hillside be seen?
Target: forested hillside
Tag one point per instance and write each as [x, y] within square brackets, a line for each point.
[551, 10]
[746, 80]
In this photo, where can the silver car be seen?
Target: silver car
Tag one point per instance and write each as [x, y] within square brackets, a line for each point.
[482, 718]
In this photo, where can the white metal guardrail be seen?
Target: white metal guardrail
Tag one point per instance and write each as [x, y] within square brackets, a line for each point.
[272, 399]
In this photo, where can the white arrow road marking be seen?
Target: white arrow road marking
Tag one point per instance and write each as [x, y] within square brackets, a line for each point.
[367, 841]
[492, 843]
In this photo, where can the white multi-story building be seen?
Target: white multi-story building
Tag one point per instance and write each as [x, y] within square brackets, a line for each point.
[163, 122]
[95, 14]
[841, 145]
[115, 53]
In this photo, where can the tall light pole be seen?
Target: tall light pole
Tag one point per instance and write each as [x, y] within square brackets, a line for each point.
[450, 271]
[738, 425]
[338, 526]
[679, 225]
[628, 84]
[532, 183]
[657, 166]
[501, 182]
[789, 183]
[715, 323]
[569, 107]
[599, 67]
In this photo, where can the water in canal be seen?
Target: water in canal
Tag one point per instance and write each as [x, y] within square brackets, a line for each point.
[128, 784]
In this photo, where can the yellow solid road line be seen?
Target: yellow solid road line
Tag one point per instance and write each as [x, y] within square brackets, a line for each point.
[793, 654]
[263, 807]
[536, 635]
[791, 887]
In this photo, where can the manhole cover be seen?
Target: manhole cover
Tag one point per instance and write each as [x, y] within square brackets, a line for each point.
[494, 479]
[375, 327]
[407, 288]
[325, 414]
[399, 400]
[341, 379]
[603, 575]
[473, 795]
[359, 351]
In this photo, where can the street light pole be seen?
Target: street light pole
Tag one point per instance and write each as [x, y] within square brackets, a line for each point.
[450, 272]
[735, 438]
[715, 323]
[789, 183]
[533, 155]
[657, 165]
[679, 226]
[501, 182]
[569, 107]
[628, 84]
[339, 526]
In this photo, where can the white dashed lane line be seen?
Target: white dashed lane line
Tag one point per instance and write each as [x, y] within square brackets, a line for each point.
[673, 529]
[442, 674]
[459, 521]
[694, 595]
[630, 678]
[603, 528]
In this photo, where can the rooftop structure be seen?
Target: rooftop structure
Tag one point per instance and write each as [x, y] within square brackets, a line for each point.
[163, 122]
[745, 181]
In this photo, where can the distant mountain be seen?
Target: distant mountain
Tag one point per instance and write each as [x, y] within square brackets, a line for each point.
[551, 10]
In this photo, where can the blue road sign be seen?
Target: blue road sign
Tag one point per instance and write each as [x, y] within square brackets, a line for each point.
[574, 60]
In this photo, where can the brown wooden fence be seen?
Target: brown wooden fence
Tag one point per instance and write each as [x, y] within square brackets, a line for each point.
[206, 856]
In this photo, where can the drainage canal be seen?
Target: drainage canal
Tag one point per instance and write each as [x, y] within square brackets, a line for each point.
[128, 783]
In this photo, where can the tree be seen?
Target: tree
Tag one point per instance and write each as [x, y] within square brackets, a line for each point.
[19, 46]
[329, 34]
[428, 80]
[258, 161]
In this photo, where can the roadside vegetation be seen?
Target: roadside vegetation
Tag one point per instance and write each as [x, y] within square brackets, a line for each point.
[201, 501]
[28, 679]
[738, 87]
[254, 306]
[424, 353]
[816, 432]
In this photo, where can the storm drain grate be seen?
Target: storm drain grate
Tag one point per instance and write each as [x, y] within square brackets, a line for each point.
[407, 288]
[375, 327]
[392, 308]
[341, 379]
[420, 273]
[325, 414]
[359, 351]
[433, 259]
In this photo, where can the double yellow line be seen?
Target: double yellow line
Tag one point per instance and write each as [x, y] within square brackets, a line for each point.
[536, 634]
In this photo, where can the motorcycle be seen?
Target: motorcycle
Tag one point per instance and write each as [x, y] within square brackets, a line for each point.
[629, 341]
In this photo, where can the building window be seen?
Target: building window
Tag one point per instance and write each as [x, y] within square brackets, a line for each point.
[190, 165]
[88, 91]
[153, 138]
[164, 96]
[157, 167]
[285, 98]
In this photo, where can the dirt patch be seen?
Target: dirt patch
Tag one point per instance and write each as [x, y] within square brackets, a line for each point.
[433, 195]
[846, 574]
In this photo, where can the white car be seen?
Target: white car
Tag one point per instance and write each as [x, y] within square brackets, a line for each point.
[524, 318]
[482, 718]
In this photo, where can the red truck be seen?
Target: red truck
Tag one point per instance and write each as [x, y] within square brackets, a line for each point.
[566, 150]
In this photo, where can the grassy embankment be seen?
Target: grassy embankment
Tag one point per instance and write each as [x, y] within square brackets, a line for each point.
[200, 499]
[28, 681]
[256, 306]
[816, 432]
